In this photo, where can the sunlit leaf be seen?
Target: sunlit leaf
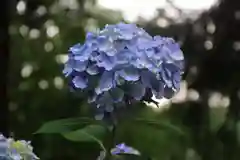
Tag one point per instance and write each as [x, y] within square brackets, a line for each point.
[90, 133]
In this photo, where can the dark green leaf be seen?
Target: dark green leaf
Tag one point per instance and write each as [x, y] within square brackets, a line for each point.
[238, 131]
[90, 133]
[159, 125]
[64, 125]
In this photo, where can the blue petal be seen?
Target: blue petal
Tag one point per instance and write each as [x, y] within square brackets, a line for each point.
[143, 43]
[168, 92]
[122, 148]
[80, 65]
[149, 80]
[138, 63]
[175, 52]
[92, 70]
[171, 74]
[15, 155]
[79, 82]
[76, 49]
[176, 80]
[166, 76]
[119, 80]
[68, 68]
[127, 31]
[106, 46]
[129, 74]
[81, 53]
[3, 145]
[90, 36]
[95, 56]
[124, 57]
[105, 61]
[106, 82]
[150, 52]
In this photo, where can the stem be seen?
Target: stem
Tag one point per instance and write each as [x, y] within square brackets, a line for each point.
[113, 136]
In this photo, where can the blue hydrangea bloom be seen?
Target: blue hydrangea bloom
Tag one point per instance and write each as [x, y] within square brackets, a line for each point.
[16, 150]
[121, 148]
[124, 149]
[121, 63]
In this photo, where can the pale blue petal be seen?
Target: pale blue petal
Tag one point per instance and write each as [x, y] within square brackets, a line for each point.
[90, 36]
[175, 52]
[105, 61]
[119, 80]
[168, 92]
[67, 69]
[149, 80]
[176, 80]
[106, 82]
[79, 82]
[129, 74]
[80, 66]
[3, 145]
[92, 70]
[166, 76]
[81, 53]
[76, 49]
[106, 46]
[122, 148]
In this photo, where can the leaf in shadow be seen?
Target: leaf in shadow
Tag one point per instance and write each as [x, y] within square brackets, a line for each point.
[64, 125]
[159, 125]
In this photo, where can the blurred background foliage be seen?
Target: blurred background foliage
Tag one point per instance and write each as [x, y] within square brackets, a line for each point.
[204, 115]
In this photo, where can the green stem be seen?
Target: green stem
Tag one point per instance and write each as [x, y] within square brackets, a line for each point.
[112, 138]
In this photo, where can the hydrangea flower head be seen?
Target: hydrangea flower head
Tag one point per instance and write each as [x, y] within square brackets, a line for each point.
[16, 150]
[124, 149]
[122, 63]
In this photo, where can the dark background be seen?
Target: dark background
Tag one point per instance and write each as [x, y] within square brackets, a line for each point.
[33, 90]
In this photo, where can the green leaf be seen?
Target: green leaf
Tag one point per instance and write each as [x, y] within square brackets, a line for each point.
[238, 131]
[159, 125]
[217, 118]
[64, 125]
[90, 133]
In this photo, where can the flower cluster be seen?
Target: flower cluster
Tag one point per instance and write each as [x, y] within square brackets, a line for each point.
[119, 149]
[15, 150]
[122, 148]
[122, 63]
